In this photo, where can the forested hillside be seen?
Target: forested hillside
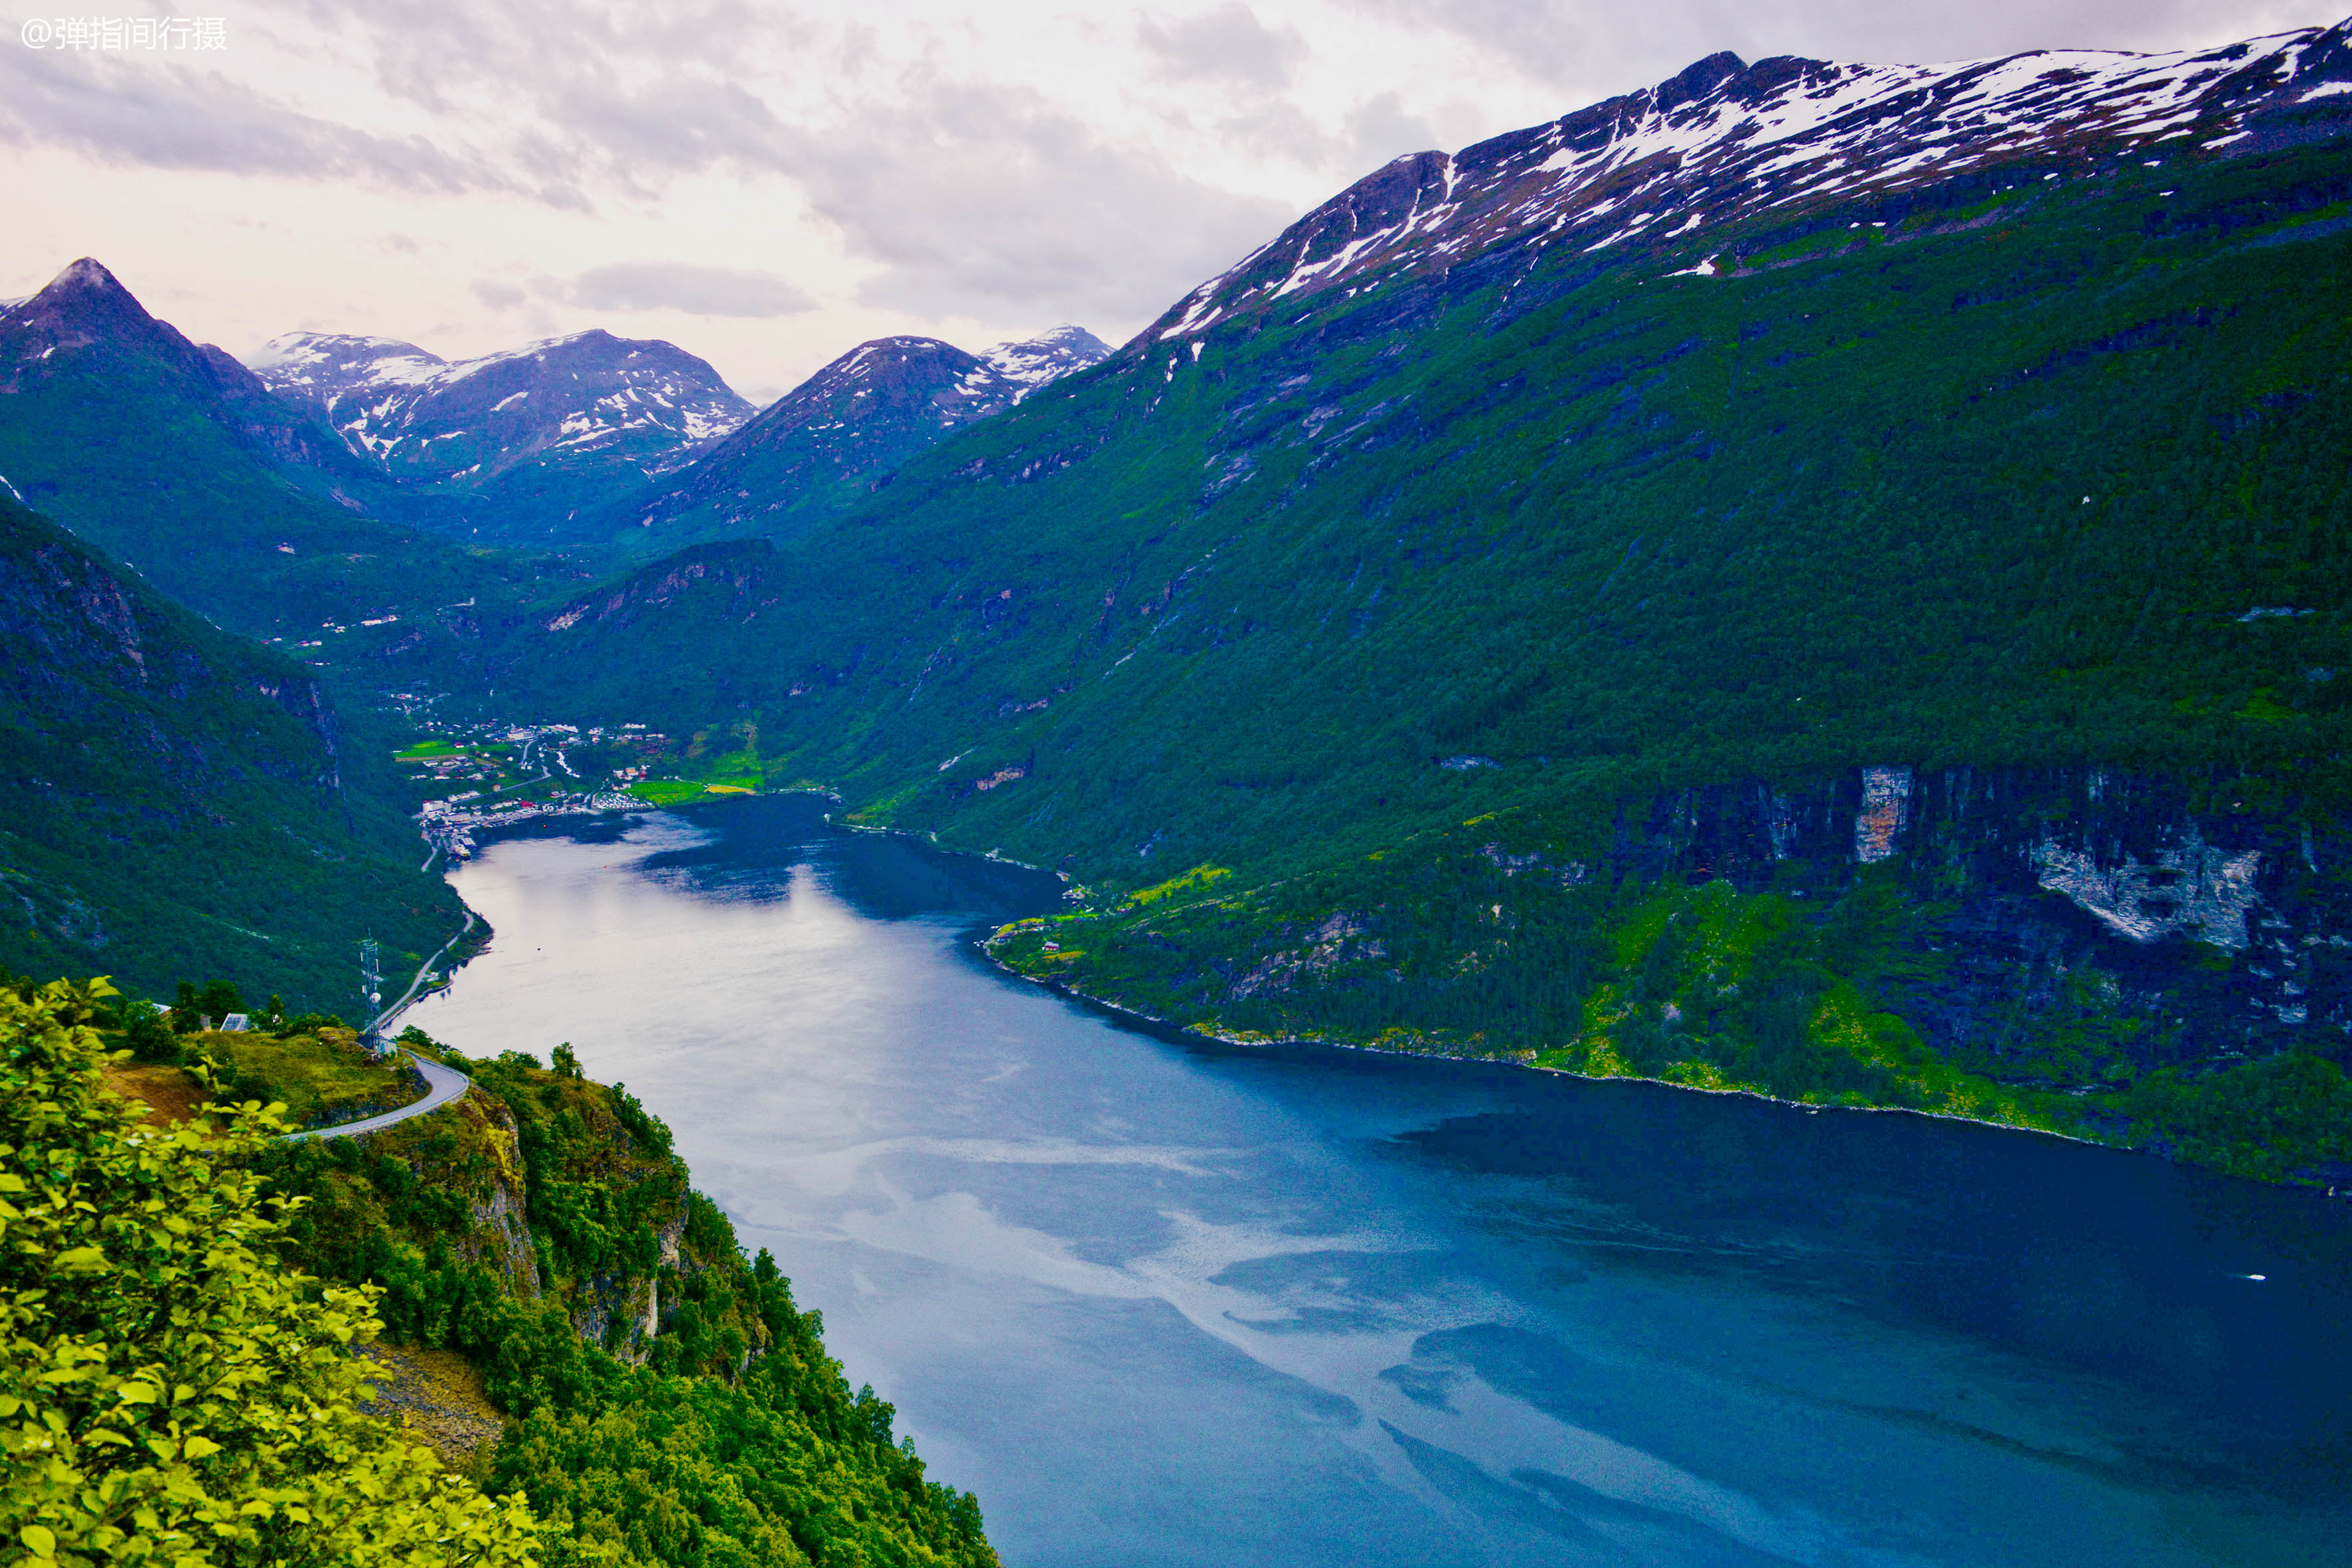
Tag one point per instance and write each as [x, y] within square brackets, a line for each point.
[651, 1396]
[2031, 464]
[179, 803]
[666, 1402]
[2004, 480]
[178, 461]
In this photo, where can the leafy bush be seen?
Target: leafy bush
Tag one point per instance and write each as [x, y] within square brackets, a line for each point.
[149, 1036]
[169, 1390]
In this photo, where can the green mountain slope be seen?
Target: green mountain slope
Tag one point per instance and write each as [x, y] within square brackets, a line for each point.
[176, 803]
[565, 1324]
[839, 436]
[1989, 517]
[2002, 484]
[177, 460]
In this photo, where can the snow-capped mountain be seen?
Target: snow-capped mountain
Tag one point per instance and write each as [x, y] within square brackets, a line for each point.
[1783, 139]
[590, 399]
[849, 427]
[1046, 357]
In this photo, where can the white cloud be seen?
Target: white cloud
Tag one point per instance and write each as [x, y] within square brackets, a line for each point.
[1228, 42]
[976, 200]
[731, 292]
[936, 166]
[174, 118]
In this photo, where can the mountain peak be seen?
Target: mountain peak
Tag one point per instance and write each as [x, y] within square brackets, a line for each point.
[1798, 139]
[1048, 356]
[83, 306]
[1697, 79]
[320, 367]
[638, 404]
[85, 294]
[85, 276]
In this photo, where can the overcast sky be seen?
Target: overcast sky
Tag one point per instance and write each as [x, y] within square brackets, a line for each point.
[768, 185]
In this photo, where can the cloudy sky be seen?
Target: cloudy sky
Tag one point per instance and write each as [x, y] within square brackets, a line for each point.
[768, 184]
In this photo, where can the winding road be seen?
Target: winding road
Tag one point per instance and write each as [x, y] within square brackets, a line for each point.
[442, 1085]
[424, 969]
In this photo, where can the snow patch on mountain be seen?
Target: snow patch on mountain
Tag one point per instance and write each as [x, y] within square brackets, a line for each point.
[1727, 140]
[1048, 356]
[645, 404]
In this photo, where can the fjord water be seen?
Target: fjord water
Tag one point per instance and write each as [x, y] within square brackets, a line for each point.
[1166, 1302]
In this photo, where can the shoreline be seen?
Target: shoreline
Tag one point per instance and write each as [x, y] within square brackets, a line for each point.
[985, 945]
[1188, 1032]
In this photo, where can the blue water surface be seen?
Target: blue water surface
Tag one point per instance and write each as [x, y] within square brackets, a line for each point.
[1161, 1302]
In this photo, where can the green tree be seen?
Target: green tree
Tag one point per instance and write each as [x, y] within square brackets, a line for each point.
[148, 1036]
[220, 998]
[170, 1392]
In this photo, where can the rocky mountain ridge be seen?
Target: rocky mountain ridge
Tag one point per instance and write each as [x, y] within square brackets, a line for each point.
[85, 308]
[845, 430]
[586, 398]
[176, 459]
[571, 441]
[1785, 139]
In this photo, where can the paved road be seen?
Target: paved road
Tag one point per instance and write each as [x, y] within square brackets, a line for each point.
[444, 1085]
[384, 1019]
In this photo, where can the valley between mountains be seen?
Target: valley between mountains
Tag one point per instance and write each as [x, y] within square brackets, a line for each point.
[1819, 579]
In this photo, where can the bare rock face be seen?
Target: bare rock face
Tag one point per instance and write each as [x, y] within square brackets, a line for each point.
[2191, 888]
[1885, 811]
[2231, 924]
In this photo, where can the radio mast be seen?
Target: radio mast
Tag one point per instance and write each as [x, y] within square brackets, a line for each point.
[371, 988]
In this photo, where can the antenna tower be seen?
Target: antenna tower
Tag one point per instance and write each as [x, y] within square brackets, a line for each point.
[371, 985]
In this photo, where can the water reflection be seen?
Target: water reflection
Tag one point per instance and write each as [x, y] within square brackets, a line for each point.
[1166, 1302]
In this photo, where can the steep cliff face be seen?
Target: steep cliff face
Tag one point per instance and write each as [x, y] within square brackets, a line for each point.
[2158, 959]
[2222, 914]
[545, 1268]
[547, 1187]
